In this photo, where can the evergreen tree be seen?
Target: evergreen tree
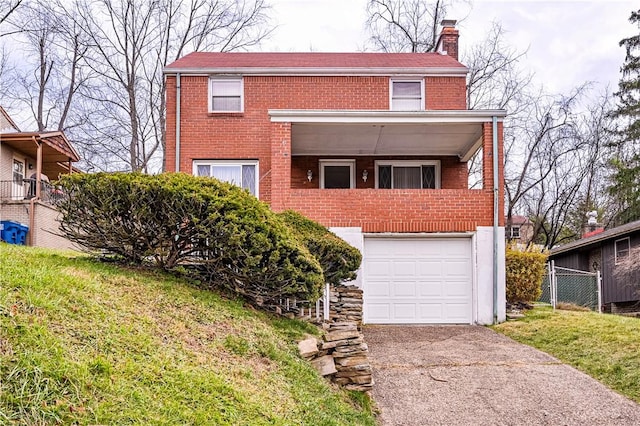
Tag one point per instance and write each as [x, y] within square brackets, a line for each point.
[625, 188]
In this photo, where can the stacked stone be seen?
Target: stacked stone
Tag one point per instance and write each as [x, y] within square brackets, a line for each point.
[349, 355]
[345, 304]
[342, 354]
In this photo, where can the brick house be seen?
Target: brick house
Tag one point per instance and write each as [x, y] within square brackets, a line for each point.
[29, 162]
[374, 146]
[521, 230]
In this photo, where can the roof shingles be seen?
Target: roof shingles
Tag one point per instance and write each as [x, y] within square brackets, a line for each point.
[210, 60]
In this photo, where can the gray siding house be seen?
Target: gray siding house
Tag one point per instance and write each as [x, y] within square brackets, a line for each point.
[611, 252]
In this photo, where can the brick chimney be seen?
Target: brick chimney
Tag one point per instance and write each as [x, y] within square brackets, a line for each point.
[448, 39]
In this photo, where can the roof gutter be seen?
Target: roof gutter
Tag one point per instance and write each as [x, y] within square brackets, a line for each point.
[385, 116]
[349, 71]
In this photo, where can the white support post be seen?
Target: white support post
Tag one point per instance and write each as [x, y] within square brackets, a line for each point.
[599, 281]
[554, 284]
[327, 298]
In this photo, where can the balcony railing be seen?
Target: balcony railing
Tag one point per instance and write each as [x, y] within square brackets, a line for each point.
[25, 189]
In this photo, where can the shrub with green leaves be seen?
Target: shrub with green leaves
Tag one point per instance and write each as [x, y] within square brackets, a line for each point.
[524, 273]
[339, 260]
[216, 231]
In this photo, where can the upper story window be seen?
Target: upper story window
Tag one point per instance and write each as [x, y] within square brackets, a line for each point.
[226, 94]
[622, 249]
[515, 231]
[408, 174]
[337, 174]
[407, 95]
[240, 173]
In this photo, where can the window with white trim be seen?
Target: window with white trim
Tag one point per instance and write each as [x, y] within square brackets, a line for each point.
[622, 249]
[240, 173]
[336, 174]
[515, 231]
[226, 94]
[408, 174]
[406, 95]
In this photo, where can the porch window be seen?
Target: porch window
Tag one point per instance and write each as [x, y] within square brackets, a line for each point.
[337, 174]
[226, 94]
[408, 175]
[240, 173]
[622, 249]
[406, 95]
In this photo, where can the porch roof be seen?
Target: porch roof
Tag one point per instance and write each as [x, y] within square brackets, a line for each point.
[356, 132]
[56, 149]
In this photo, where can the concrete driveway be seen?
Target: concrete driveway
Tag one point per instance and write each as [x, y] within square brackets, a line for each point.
[470, 375]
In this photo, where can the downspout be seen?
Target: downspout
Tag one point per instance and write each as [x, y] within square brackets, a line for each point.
[494, 132]
[177, 122]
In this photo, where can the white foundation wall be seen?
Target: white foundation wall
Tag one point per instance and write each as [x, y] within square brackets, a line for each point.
[354, 237]
[484, 275]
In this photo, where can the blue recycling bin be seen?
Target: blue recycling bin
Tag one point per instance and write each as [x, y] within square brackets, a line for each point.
[13, 232]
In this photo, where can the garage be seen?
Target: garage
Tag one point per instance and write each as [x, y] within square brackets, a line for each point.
[417, 280]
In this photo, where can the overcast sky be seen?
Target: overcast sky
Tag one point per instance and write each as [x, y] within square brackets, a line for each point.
[568, 42]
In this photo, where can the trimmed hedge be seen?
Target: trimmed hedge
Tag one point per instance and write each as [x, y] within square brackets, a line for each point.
[524, 273]
[215, 231]
[339, 260]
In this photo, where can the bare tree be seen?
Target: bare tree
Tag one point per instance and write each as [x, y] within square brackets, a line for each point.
[94, 67]
[7, 7]
[128, 56]
[495, 81]
[47, 81]
[196, 26]
[553, 172]
[405, 25]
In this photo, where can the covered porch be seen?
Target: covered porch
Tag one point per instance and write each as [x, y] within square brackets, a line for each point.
[386, 171]
[31, 162]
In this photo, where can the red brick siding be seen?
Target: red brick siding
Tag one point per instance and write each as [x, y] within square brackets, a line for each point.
[445, 93]
[251, 135]
[454, 174]
[246, 135]
[396, 210]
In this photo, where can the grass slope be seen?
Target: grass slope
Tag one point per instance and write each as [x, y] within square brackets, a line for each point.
[607, 347]
[88, 343]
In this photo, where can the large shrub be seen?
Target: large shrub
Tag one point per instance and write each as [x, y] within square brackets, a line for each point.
[218, 232]
[525, 270]
[339, 260]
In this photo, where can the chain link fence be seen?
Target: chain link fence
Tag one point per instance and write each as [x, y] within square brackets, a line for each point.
[566, 285]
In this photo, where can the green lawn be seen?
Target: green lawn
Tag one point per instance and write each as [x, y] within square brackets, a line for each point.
[607, 347]
[88, 343]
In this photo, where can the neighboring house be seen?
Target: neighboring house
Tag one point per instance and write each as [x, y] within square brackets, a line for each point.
[521, 230]
[374, 146]
[607, 251]
[29, 161]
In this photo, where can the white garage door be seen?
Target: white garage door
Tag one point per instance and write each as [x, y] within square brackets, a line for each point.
[417, 280]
